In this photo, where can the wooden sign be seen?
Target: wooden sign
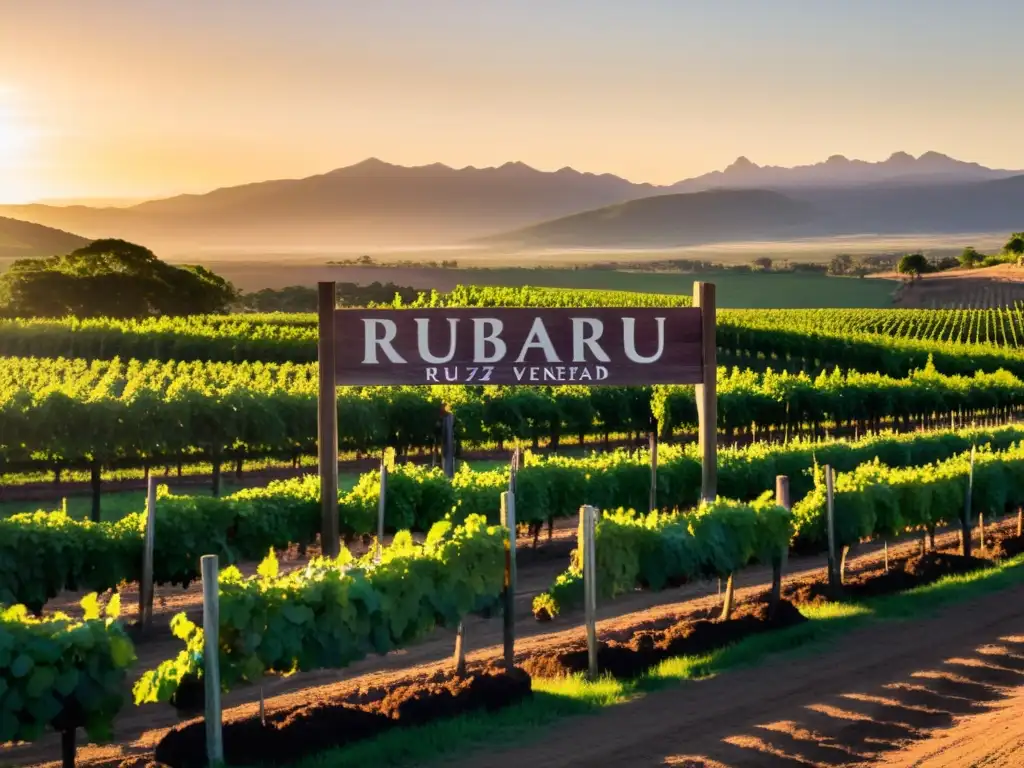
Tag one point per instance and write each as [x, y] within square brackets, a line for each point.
[535, 347]
[530, 347]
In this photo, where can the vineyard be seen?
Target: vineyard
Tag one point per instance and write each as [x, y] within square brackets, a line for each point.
[1002, 326]
[861, 454]
[960, 340]
[57, 414]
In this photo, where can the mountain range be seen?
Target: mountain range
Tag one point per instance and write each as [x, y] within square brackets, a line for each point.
[375, 204]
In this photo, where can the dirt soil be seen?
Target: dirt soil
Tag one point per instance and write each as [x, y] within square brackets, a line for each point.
[631, 653]
[291, 733]
[874, 581]
[998, 286]
[138, 730]
[884, 688]
[991, 740]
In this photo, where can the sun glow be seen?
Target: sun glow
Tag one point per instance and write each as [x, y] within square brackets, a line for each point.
[16, 140]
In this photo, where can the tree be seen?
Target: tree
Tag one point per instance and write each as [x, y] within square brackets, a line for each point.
[970, 258]
[841, 264]
[1015, 246]
[914, 264]
[112, 278]
[763, 263]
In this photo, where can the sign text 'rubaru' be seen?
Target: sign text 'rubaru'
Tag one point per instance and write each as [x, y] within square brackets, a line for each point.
[519, 346]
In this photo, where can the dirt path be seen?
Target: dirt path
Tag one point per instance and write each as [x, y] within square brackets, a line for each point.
[138, 729]
[880, 689]
[992, 740]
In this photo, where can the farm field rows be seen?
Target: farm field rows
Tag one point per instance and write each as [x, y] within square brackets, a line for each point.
[71, 413]
[287, 513]
[137, 730]
[291, 337]
[679, 589]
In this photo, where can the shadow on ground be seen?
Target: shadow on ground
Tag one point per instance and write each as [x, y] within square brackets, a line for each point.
[858, 726]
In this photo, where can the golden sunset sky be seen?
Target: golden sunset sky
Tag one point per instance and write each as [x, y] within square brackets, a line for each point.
[125, 99]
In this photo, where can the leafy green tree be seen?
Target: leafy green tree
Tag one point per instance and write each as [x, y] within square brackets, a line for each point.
[841, 264]
[970, 258]
[1015, 246]
[914, 264]
[112, 278]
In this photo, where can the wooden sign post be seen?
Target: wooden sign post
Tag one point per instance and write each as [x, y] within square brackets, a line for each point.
[782, 498]
[508, 520]
[382, 503]
[146, 585]
[830, 479]
[327, 432]
[588, 516]
[965, 522]
[653, 439]
[525, 346]
[211, 658]
[707, 391]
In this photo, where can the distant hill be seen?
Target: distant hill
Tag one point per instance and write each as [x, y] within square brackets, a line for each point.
[372, 203]
[838, 171]
[375, 204]
[670, 220]
[25, 240]
[717, 216]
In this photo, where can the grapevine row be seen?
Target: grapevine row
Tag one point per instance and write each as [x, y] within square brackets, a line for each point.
[335, 612]
[871, 501]
[888, 340]
[71, 412]
[43, 553]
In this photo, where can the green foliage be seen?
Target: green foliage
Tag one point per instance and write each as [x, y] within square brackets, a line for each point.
[531, 296]
[61, 673]
[970, 257]
[302, 298]
[111, 278]
[658, 549]
[1015, 246]
[333, 613]
[945, 332]
[914, 264]
[43, 553]
[785, 400]
[876, 500]
[73, 412]
[892, 341]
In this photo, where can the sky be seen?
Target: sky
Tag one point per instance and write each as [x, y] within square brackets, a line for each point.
[120, 99]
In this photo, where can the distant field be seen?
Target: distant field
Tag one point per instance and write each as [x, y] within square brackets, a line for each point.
[804, 250]
[997, 286]
[735, 289]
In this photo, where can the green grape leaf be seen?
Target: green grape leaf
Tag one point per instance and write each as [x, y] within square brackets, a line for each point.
[122, 653]
[22, 665]
[297, 614]
[40, 681]
[66, 681]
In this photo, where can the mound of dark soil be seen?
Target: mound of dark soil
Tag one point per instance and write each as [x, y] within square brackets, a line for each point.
[1007, 546]
[322, 723]
[630, 656]
[903, 574]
